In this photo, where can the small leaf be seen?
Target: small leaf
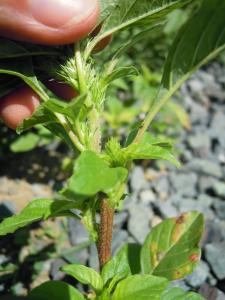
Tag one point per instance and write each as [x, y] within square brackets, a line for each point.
[55, 290]
[150, 148]
[70, 109]
[85, 275]
[118, 265]
[25, 143]
[141, 287]
[179, 294]
[35, 211]
[92, 175]
[171, 249]
[121, 73]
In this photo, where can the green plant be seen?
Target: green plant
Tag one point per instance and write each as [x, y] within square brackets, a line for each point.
[171, 250]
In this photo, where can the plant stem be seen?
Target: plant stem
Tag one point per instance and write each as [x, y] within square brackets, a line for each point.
[106, 211]
[105, 232]
[80, 72]
[64, 122]
[153, 111]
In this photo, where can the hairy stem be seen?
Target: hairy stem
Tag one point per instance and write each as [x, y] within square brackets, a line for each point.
[105, 232]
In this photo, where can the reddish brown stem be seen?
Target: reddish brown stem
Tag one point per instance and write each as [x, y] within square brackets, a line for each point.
[105, 232]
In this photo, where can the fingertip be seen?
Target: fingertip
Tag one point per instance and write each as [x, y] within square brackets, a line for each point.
[18, 105]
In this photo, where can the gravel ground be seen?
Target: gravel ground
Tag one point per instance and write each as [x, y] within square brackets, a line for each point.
[161, 192]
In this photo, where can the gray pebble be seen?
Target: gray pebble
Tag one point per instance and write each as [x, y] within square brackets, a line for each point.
[139, 221]
[120, 237]
[147, 197]
[120, 218]
[220, 208]
[161, 185]
[137, 179]
[203, 166]
[219, 189]
[216, 258]
[77, 233]
[93, 261]
[184, 184]
[220, 295]
[55, 272]
[167, 209]
[200, 144]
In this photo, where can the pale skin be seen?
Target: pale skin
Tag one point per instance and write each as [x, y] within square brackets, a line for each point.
[48, 22]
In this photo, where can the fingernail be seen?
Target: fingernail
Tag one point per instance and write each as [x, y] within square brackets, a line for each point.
[56, 13]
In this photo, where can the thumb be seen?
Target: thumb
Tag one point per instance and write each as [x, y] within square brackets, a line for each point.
[51, 22]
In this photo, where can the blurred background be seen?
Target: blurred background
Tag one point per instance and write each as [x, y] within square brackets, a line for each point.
[36, 164]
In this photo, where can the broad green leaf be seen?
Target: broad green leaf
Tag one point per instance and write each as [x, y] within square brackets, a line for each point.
[85, 275]
[120, 14]
[175, 20]
[200, 39]
[92, 175]
[55, 290]
[121, 73]
[171, 249]
[179, 294]
[25, 143]
[145, 150]
[23, 69]
[35, 211]
[141, 287]
[118, 265]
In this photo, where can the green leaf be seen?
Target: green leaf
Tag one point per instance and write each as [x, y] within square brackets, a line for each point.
[35, 211]
[121, 73]
[85, 275]
[105, 295]
[70, 109]
[120, 14]
[44, 115]
[171, 249]
[141, 287]
[150, 149]
[25, 143]
[41, 116]
[200, 39]
[118, 266]
[92, 175]
[179, 294]
[55, 290]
